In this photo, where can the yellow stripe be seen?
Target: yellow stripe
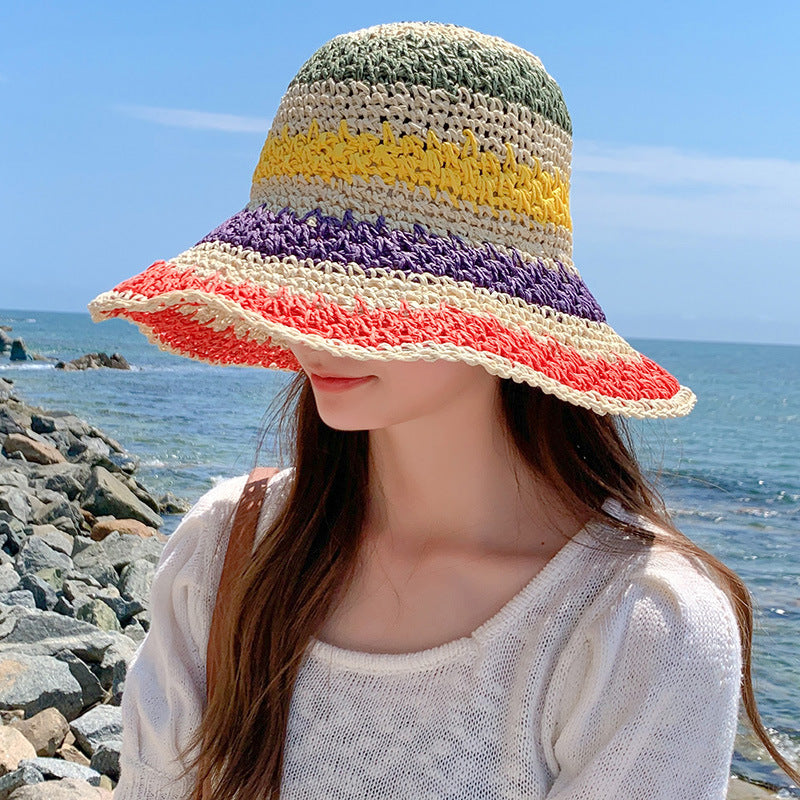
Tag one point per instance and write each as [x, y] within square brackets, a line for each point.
[459, 172]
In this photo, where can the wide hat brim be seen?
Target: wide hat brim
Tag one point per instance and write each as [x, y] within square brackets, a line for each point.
[263, 281]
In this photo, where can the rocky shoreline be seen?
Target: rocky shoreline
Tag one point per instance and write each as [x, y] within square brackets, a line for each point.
[79, 542]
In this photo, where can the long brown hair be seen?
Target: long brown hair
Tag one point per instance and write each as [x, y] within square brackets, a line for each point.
[309, 552]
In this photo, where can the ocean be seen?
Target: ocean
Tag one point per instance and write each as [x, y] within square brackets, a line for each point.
[729, 472]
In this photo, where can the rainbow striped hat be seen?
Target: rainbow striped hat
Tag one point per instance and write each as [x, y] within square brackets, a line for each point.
[411, 201]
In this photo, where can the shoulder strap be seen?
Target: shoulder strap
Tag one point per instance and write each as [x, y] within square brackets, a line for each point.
[239, 551]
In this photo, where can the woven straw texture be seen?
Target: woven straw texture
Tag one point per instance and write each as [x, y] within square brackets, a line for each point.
[411, 201]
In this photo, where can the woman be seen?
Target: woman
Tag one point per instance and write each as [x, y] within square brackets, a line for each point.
[463, 586]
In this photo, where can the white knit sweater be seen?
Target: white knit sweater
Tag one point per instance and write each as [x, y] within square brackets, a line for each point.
[610, 676]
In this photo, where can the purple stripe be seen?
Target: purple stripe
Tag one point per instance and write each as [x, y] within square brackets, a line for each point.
[368, 244]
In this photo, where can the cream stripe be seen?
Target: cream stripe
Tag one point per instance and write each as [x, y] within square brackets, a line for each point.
[414, 109]
[221, 313]
[383, 288]
[403, 208]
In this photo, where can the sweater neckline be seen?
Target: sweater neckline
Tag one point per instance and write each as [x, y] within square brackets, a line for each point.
[553, 571]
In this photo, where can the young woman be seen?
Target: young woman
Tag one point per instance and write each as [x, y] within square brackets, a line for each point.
[463, 586]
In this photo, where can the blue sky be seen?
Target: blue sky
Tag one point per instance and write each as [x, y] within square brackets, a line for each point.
[128, 131]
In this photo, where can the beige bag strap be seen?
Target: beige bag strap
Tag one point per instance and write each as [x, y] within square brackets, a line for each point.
[239, 552]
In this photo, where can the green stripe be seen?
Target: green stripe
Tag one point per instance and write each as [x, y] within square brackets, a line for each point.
[439, 62]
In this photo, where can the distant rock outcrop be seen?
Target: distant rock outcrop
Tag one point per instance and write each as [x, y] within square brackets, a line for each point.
[19, 352]
[95, 361]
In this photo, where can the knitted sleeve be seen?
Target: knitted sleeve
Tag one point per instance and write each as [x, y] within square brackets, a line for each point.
[164, 693]
[644, 702]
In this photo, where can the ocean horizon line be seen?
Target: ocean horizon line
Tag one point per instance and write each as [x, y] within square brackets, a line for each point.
[619, 328]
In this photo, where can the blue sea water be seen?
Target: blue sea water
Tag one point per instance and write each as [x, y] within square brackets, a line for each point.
[729, 472]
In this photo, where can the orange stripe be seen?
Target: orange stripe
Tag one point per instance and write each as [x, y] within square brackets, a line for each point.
[369, 327]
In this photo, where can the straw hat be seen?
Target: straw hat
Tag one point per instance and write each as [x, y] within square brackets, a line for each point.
[411, 201]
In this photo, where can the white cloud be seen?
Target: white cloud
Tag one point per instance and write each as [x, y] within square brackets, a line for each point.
[200, 120]
[617, 188]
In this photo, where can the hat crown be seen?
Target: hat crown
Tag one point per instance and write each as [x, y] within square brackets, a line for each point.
[428, 124]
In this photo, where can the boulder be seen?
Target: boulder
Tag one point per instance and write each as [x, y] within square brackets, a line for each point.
[34, 683]
[99, 614]
[44, 731]
[64, 789]
[134, 527]
[19, 352]
[10, 477]
[38, 452]
[136, 579]
[44, 596]
[106, 758]
[19, 597]
[95, 361]
[25, 775]
[98, 725]
[36, 554]
[58, 768]
[57, 540]
[71, 753]
[91, 688]
[36, 632]
[13, 748]
[16, 502]
[106, 495]
[9, 578]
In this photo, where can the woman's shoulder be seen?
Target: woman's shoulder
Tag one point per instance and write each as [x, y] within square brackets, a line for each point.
[225, 493]
[202, 534]
[667, 591]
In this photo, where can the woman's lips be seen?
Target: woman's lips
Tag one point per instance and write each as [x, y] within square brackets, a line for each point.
[337, 384]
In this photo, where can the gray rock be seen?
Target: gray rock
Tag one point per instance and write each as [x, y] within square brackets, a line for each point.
[66, 420]
[19, 597]
[19, 352]
[105, 494]
[94, 562]
[58, 768]
[135, 631]
[105, 758]
[91, 450]
[170, 504]
[99, 724]
[36, 554]
[53, 575]
[123, 548]
[25, 775]
[59, 509]
[42, 423]
[99, 614]
[136, 579]
[10, 477]
[9, 578]
[123, 609]
[64, 483]
[43, 593]
[64, 607]
[35, 632]
[63, 789]
[16, 502]
[114, 666]
[143, 617]
[33, 683]
[56, 539]
[9, 422]
[91, 690]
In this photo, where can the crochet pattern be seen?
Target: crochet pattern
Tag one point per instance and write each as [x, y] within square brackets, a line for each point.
[411, 201]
